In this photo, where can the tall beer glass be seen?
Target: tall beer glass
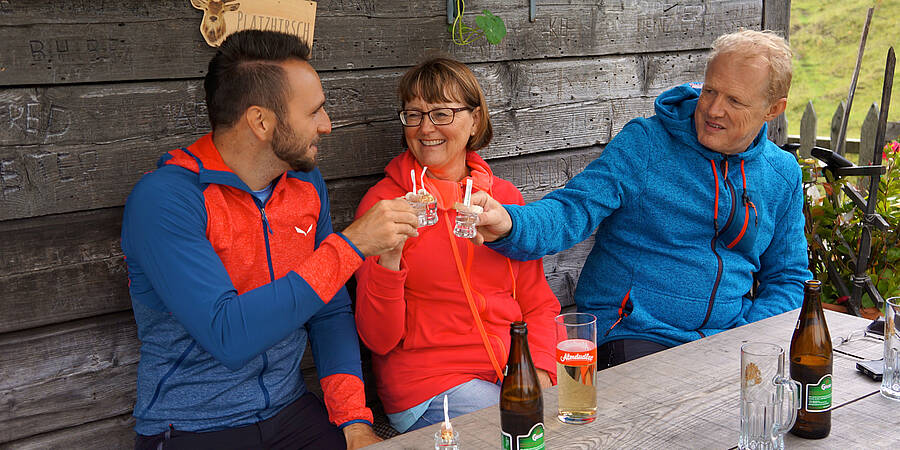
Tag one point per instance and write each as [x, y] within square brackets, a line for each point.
[576, 367]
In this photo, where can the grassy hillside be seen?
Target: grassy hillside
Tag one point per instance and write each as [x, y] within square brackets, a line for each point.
[825, 38]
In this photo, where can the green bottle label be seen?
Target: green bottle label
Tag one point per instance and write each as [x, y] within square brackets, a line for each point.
[534, 440]
[818, 396]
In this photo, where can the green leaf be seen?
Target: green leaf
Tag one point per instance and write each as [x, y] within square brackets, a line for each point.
[866, 301]
[493, 27]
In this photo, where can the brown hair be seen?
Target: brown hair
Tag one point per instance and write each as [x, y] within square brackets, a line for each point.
[766, 45]
[246, 71]
[443, 80]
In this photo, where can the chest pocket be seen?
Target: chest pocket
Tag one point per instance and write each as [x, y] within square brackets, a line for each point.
[740, 235]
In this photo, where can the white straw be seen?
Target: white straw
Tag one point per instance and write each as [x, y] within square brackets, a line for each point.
[412, 175]
[446, 416]
[422, 178]
[468, 198]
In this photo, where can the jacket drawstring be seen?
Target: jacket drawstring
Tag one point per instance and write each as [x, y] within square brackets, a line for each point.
[747, 204]
[716, 201]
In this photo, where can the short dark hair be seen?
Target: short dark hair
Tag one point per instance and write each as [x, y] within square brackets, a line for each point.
[246, 72]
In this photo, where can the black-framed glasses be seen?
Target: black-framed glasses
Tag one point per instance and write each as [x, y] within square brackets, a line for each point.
[438, 116]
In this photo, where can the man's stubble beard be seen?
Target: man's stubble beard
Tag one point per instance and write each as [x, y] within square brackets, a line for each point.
[291, 149]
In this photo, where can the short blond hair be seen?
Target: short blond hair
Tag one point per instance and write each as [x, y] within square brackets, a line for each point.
[764, 44]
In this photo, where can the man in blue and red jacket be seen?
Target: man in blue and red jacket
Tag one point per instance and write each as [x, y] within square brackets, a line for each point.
[234, 266]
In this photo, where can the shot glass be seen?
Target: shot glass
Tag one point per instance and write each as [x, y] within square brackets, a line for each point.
[425, 206]
[446, 444]
[466, 219]
[890, 381]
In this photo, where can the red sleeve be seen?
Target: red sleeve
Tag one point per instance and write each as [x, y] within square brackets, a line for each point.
[330, 266]
[380, 306]
[345, 399]
[538, 302]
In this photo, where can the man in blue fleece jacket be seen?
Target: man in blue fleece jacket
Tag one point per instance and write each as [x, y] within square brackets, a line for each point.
[690, 206]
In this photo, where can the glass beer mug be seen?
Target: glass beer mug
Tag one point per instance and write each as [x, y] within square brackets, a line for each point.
[764, 420]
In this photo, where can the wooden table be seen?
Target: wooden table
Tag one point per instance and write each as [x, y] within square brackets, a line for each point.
[689, 396]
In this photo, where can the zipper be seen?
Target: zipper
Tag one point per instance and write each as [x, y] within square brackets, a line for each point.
[162, 381]
[267, 229]
[712, 246]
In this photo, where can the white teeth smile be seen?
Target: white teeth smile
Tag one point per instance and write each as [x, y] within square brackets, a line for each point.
[433, 142]
[715, 126]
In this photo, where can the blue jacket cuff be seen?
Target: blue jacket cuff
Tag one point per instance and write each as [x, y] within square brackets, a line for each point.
[351, 244]
[341, 426]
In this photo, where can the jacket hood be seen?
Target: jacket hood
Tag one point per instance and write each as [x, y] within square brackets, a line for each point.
[445, 192]
[203, 158]
[675, 109]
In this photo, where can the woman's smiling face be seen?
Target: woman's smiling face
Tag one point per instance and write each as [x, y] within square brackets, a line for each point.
[441, 147]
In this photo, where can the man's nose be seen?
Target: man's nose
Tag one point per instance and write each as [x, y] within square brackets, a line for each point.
[325, 126]
[717, 106]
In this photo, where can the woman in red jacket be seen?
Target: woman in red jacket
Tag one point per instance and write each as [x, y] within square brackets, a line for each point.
[436, 312]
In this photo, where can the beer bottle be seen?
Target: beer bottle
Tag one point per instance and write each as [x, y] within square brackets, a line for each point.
[521, 403]
[811, 363]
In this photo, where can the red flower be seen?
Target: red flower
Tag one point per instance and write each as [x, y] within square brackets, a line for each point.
[842, 300]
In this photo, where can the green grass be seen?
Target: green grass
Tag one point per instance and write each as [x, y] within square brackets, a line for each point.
[825, 38]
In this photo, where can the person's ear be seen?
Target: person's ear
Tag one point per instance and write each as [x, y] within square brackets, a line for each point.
[260, 121]
[476, 120]
[776, 108]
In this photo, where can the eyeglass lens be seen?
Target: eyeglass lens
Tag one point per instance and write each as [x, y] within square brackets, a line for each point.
[441, 116]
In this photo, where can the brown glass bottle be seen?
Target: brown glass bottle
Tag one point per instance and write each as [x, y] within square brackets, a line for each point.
[521, 403]
[811, 364]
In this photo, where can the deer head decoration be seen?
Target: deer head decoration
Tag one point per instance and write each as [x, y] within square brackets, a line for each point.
[213, 25]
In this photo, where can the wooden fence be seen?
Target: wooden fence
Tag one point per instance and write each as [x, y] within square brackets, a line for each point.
[865, 146]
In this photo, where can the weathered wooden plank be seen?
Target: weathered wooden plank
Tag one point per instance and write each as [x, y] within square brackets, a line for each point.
[63, 293]
[807, 131]
[74, 262]
[776, 16]
[82, 41]
[867, 134]
[68, 374]
[107, 434]
[59, 240]
[836, 120]
[83, 147]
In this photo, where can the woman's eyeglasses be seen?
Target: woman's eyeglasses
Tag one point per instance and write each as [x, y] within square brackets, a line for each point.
[439, 116]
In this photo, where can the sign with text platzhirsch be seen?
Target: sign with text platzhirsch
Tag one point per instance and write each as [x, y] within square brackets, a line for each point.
[223, 17]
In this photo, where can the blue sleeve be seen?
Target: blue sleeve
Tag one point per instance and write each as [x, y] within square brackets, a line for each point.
[783, 265]
[332, 331]
[164, 232]
[569, 215]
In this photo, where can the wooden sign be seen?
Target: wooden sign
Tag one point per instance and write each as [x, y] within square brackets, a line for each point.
[223, 17]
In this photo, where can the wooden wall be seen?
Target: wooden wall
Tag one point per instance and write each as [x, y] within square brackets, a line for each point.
[93, 92]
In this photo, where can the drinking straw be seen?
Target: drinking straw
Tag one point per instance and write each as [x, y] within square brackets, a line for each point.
[446, 428]
[468, 198]
[422, 178]
[412, 175]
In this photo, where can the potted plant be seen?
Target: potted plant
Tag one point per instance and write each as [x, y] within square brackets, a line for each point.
[833, 230]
